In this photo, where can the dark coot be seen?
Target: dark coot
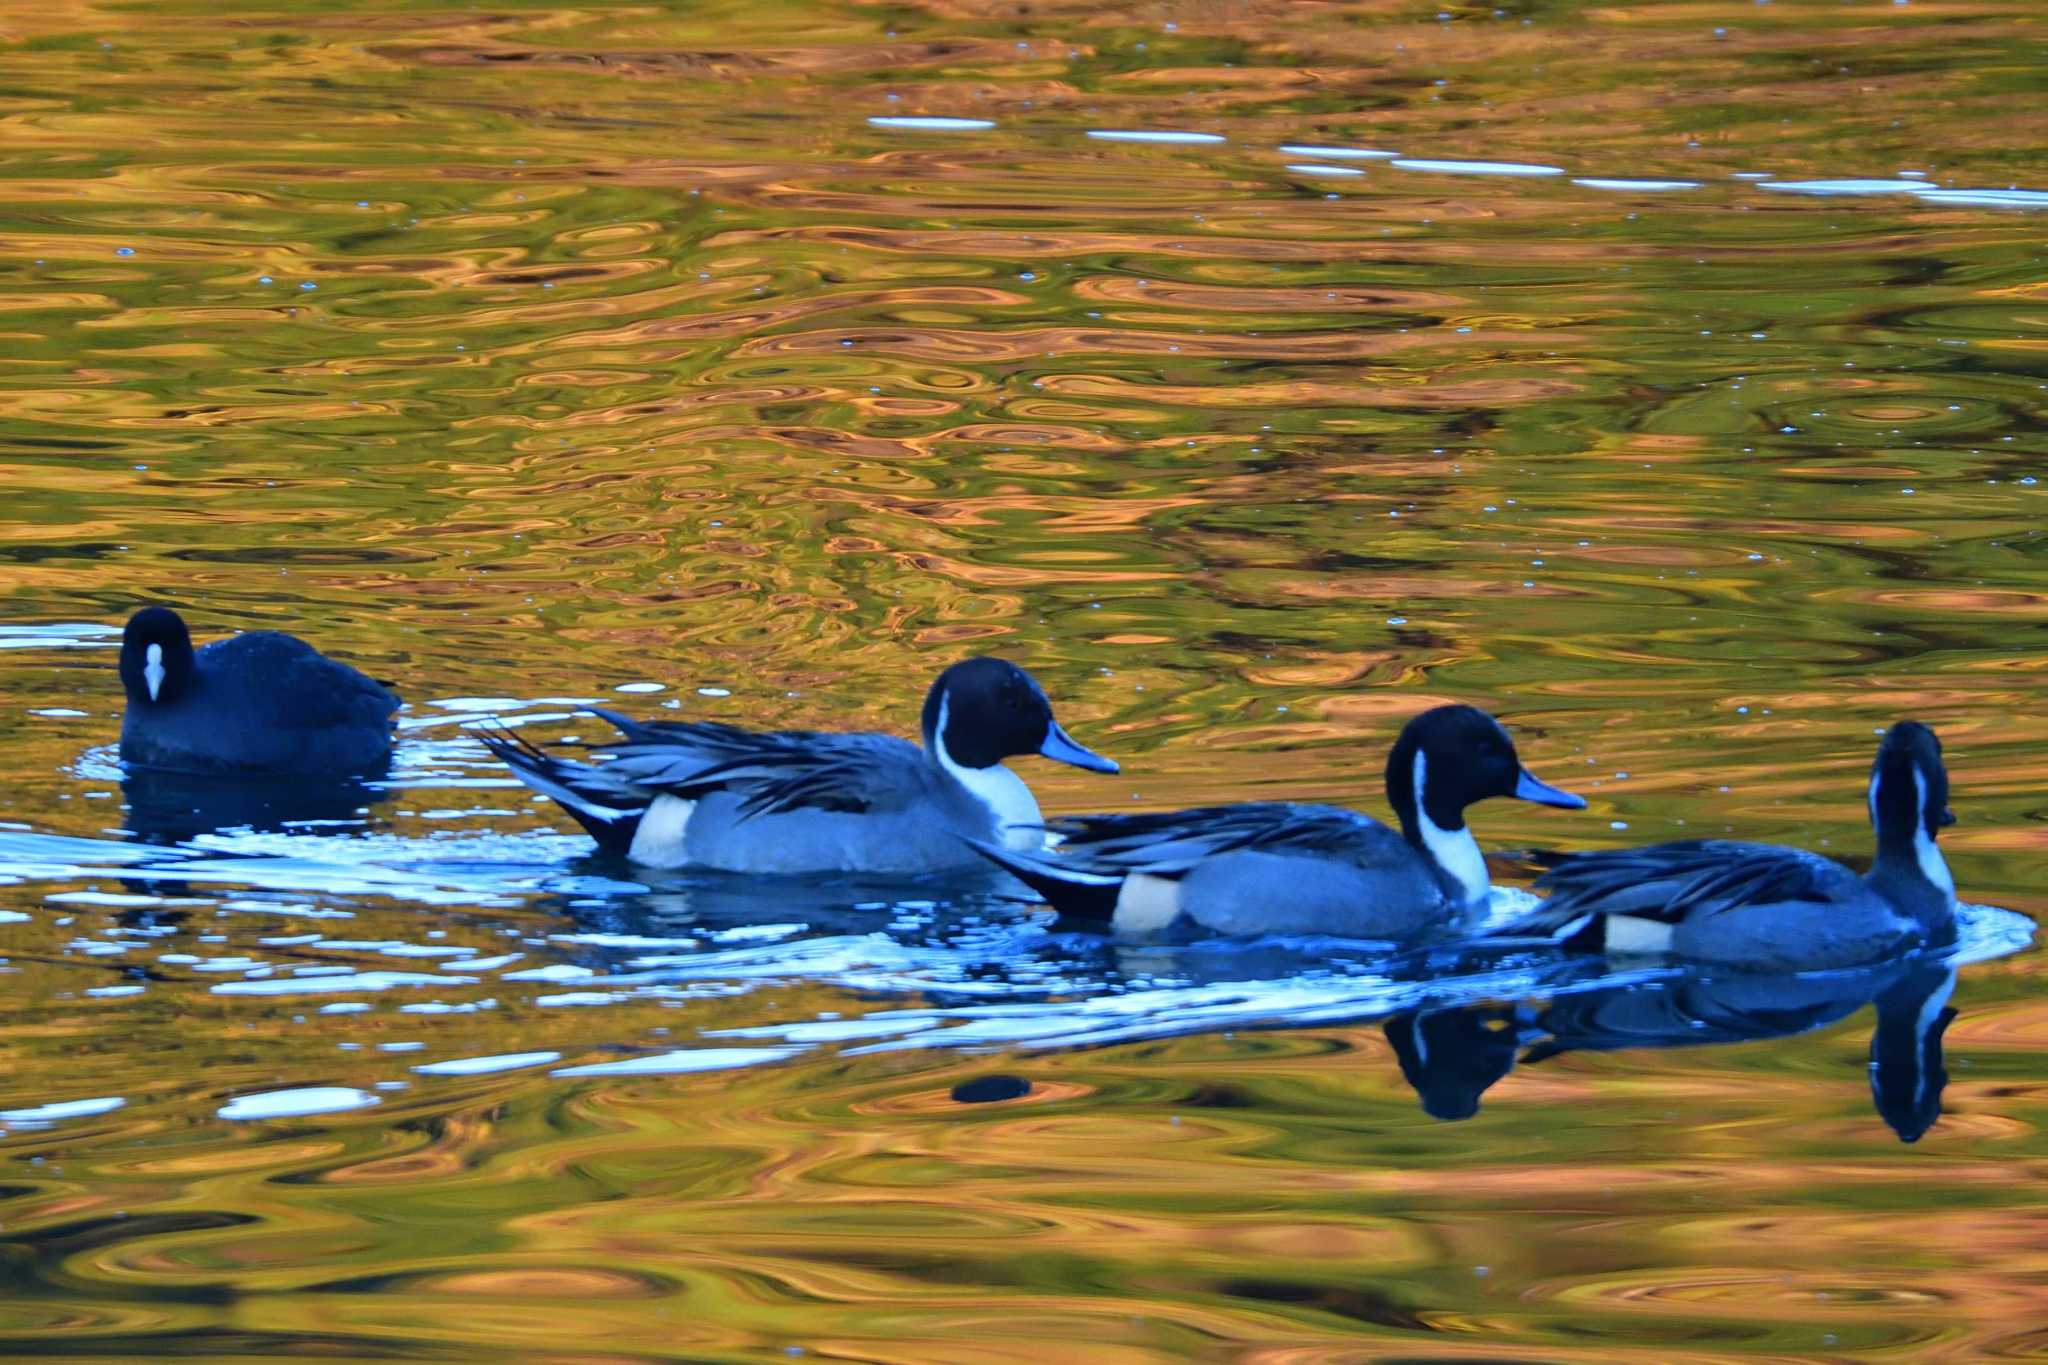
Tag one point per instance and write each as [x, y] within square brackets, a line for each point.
[257, 704]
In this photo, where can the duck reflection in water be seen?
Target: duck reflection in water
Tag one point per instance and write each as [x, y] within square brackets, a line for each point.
[1453, 1056]
[1907, 1070]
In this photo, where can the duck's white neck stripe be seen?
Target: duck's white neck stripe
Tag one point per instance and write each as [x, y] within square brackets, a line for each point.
[1933, 866]
[153, 670]
[1010, 803]
[1926, 855]
[1455, 850]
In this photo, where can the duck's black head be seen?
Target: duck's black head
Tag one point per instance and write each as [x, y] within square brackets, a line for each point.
[1452, 756]
[982, 711]
[156, 656]
[1909, 787]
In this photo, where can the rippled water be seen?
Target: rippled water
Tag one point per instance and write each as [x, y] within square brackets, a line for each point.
[1667, 378]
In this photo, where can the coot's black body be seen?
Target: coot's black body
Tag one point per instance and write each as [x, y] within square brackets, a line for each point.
[260, 704]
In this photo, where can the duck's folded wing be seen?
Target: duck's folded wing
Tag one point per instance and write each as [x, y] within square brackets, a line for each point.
[1171, 842]
[706, 742]
[1675, 881]
[774, 771]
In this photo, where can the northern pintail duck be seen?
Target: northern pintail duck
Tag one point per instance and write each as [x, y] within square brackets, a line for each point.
[714, 796]
[259, 704]
[1273, 867]
[1766, 907]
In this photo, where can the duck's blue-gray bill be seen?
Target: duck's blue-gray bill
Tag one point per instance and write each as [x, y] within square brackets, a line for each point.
[1533, 788]
[1059, 746]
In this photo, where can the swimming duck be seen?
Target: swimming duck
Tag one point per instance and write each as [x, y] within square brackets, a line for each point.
[258, 704]
[1766, 907]
[1273, 867]
[706, 795]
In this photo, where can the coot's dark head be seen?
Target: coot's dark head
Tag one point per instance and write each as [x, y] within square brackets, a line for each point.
[156, 656]
[982, 711]
[1451, 756]
[1909, 785]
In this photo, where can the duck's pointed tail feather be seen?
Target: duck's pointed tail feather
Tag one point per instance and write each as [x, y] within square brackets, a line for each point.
[610, 812]
[1070, 890]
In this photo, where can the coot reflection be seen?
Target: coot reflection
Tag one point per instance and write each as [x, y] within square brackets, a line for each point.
[173, 808]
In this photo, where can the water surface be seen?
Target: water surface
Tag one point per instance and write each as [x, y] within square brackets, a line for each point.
[1666, 378]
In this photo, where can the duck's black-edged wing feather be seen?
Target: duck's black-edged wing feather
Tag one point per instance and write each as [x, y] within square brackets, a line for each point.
[586, 790]
[714, 741]
[1168, 842]
[1674, 881]
[772, 771]
[769, 770]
